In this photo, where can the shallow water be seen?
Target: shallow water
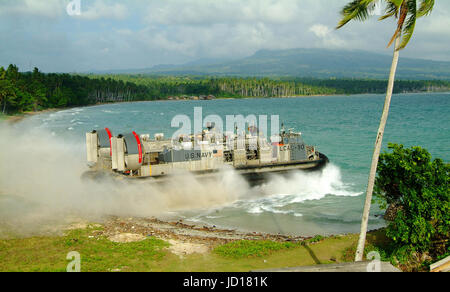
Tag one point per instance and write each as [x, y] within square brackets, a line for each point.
[304, 203]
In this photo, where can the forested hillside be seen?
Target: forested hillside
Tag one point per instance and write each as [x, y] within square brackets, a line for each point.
[33, 91]
[306, 63]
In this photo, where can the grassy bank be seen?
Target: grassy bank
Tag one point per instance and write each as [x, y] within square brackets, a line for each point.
[98, 253]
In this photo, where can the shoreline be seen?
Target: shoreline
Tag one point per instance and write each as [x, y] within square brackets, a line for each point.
[187, 232]
[144, 245]
[111, 246]
[15, 118]
[164, 229]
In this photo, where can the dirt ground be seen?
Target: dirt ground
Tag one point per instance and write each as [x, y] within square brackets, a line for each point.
[185, 239]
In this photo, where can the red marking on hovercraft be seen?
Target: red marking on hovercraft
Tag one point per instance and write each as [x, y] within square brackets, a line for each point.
[110, 137]
[139, 146]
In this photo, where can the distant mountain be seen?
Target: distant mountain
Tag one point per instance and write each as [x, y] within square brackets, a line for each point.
[316, 63]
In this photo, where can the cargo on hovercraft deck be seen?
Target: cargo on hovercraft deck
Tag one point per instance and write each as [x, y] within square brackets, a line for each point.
[204, 154]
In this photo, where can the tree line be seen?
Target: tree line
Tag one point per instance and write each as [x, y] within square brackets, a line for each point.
[34, 91]
[372, 86]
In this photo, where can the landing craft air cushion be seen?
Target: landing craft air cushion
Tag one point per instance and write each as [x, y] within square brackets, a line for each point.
[250, 154]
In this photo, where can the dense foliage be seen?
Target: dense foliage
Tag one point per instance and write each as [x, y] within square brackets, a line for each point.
[221, 86]
[33, 91]
[273, 87]
[419, 189]
[363, 86]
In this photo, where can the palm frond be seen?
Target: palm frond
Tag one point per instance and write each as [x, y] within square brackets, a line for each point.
[410, 24]
[391, 10]
[426, 6]
[356, 10]
[404, 10]
[397, 3]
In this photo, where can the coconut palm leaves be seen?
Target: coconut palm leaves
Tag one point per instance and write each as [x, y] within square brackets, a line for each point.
[405, 11]
[357, 10]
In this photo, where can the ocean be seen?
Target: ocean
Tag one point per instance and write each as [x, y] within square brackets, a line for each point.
[304, 203]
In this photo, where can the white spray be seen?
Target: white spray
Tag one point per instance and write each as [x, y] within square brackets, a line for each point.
[40, 183]
[41, 187]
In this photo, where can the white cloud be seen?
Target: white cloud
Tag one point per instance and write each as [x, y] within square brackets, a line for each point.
[47, 8]
[320, 30]
[90, 9]
[326, 36]
[227, 28]
[194, 12]
[103, 10]
[176, 31]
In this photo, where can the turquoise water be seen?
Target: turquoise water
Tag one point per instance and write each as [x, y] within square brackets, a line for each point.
[343, 127]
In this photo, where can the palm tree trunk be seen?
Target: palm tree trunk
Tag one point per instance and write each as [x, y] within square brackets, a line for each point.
[376, 154]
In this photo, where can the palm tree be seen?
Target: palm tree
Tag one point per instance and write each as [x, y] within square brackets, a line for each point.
[6, 89]
[406, 12]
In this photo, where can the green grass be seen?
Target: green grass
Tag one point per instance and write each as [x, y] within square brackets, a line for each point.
[251, 248]
[99, 254]
[375, 241]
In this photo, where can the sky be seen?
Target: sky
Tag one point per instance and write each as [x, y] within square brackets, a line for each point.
[55, 36]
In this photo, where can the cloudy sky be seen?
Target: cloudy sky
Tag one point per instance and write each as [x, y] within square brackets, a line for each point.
[111, 34]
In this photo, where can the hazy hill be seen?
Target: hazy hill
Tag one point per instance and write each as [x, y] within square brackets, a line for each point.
[318, 63]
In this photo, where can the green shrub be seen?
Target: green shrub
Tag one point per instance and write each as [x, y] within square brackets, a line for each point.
[315, 239]
[419, 187]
